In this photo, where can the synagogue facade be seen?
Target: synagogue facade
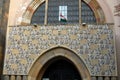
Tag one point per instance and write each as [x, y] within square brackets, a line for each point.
[60, 40]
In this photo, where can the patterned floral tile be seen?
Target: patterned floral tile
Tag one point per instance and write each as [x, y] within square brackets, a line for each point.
[95, 44]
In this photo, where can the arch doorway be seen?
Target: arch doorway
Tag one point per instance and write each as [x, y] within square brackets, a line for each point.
[59, 63]
[61, 69]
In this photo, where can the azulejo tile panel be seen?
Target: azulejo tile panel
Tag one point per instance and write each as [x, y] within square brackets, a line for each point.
[93, 43]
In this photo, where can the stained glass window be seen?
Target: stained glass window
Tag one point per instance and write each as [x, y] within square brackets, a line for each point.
[65, 10]
[87, 14]
[39, 15]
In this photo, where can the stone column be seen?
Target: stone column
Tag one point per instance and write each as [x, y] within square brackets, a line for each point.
[12, 77]
[94, 78]
[100, 78]
[6, 78]
[18, 78]
[1, 48]
[113, 78]
[4, 12]
[25, 78]
[107, 78]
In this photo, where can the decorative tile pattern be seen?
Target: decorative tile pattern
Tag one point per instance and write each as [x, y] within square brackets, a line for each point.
[93, 43]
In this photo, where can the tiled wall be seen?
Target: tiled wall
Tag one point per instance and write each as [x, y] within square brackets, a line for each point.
[93, 43]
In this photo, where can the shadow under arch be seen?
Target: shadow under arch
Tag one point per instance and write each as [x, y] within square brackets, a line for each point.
[39, 68]
[32, 7]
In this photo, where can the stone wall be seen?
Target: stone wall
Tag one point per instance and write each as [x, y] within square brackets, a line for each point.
[4, 8]
[1, 8]
[93, 43]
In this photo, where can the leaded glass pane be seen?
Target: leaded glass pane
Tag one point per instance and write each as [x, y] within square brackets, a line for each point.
[38, 16]
[69, 10]
[87, 14]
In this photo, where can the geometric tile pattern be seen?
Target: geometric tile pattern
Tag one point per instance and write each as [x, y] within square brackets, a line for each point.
[94, 44]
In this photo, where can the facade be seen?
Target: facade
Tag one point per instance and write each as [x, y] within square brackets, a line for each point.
[59, 40]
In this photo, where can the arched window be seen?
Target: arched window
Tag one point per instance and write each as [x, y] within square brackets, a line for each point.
[39, 15]
[63, 12]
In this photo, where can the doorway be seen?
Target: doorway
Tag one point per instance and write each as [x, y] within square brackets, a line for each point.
[61, 70]
[59, 61]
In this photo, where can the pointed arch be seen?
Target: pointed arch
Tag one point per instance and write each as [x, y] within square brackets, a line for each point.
[99, 14]
[38, 67]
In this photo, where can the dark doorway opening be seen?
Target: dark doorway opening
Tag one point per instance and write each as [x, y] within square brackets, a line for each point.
[61, 70]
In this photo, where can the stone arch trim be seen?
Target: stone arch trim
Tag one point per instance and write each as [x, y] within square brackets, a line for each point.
[99, 14]
[30, 10]
[38, 66]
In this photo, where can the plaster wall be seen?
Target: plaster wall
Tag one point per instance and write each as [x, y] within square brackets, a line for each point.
[17, 8]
